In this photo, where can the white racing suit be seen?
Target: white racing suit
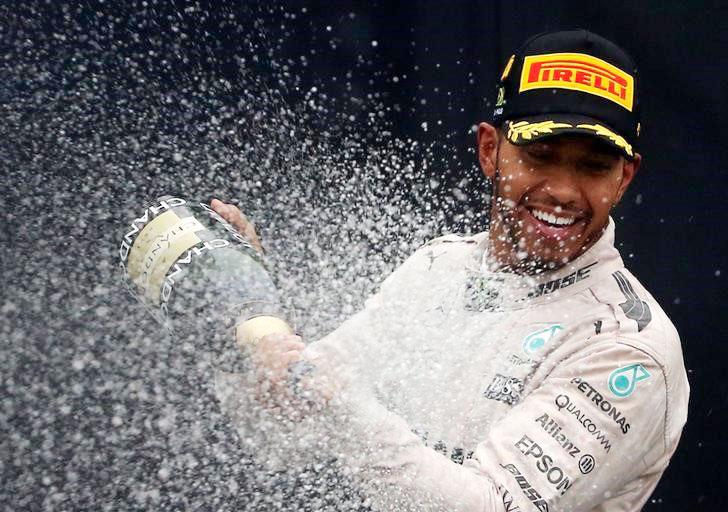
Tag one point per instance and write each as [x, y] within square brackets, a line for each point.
[481, 391]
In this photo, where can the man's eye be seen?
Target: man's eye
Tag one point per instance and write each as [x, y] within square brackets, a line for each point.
[538, 154]
[596, 166]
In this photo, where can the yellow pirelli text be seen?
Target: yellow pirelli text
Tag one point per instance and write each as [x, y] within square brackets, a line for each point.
[579, 72]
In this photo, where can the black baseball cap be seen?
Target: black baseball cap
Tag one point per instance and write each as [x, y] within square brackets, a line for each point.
[570, 82]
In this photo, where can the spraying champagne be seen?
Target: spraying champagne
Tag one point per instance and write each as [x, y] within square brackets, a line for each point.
[197, 275]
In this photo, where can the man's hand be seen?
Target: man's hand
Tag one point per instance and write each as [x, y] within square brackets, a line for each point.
[286, 381]
[272, 356]
[239, 221]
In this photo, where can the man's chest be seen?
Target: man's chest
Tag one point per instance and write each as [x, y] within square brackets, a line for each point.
[452, 371]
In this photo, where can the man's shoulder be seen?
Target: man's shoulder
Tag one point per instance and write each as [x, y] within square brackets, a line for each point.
[449, 251]
[444, 254]
[642, 323]
[644, 328]
[457, 239]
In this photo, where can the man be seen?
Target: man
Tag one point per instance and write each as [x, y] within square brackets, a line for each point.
[522, 368]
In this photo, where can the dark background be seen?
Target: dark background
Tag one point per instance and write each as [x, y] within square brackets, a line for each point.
[87, 410]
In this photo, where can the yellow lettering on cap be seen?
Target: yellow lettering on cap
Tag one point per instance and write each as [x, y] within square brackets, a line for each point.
[579, 72]
[507, 70]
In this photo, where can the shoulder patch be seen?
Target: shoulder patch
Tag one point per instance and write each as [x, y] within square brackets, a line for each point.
[634, 308]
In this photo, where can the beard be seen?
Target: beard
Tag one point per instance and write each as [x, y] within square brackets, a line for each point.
[513, 253]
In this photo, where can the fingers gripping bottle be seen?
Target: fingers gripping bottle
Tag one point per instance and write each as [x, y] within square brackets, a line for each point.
[198, 276]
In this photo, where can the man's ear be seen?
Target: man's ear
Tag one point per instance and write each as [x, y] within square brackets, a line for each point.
[487, 149]
[629, 169]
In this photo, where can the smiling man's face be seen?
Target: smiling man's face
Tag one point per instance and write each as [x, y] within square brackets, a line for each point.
[551, 198]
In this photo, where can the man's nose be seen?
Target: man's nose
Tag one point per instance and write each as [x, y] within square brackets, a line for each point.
[563, 187]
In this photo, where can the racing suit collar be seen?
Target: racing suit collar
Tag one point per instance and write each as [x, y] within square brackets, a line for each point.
[506, 290]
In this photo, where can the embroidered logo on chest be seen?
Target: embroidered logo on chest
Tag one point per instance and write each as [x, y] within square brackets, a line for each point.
[504, 388]
[537, 340]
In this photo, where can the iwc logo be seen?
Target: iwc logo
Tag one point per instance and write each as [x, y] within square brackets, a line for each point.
[623, 381]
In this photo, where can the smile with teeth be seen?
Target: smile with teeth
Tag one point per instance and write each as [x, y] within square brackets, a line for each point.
[550, 218]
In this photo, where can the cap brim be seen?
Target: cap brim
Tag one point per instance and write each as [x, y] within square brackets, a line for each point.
[526, 130]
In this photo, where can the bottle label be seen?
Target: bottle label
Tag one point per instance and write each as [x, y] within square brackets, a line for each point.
[166, 248]
[156, 249]
[137, 224]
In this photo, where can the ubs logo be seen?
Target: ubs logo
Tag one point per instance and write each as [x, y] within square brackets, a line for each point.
[505, 389]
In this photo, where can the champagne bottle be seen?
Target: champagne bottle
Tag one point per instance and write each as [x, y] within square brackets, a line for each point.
[198, 276]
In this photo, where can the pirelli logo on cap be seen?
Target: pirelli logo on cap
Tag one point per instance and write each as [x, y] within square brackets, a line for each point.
[579, 72]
